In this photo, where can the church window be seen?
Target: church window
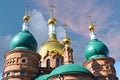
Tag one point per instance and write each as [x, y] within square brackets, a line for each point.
[22, 74]
[24, 60]
[57, 62]
[48, 63]
[8, 75]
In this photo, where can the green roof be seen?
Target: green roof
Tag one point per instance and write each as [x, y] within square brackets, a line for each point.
[23, 40]
[43, 77]
[96, 49]
[69, 69]
[65, 69]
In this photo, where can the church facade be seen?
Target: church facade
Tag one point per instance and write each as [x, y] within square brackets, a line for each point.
[54, 59]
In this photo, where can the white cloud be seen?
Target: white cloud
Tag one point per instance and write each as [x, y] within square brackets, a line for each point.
[38, 26]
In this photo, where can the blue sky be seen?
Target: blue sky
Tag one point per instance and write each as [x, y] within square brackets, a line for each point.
[105, 15]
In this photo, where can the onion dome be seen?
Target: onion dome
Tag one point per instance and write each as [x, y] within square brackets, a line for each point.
[65, 69]
[67, 40]
[24, 39]
[52, 46]
[69, 69]
[95, 48]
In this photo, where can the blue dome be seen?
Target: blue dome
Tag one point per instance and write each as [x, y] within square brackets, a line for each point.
[96, 49]
[23, 40]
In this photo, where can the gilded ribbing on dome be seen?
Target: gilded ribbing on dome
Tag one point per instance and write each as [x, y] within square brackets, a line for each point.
[52, 20]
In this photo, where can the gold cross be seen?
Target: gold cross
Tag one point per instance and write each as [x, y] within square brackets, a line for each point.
[27, 11]
[89, 19]
[51, 9]
[65, 28]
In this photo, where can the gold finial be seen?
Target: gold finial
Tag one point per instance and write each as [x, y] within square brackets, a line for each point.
[52, 20]
[66, 40]
[91, 26]
[26, 18]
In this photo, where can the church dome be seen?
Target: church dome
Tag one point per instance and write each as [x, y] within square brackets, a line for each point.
[23, 40]
[69, 69]
[96, 49]
[43, 77]
[67, 40]
[53, 47]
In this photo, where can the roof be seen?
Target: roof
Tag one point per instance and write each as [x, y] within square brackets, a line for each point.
[65, 69]
[69, 69]
[43, 77]
[96, 49]
[23, 40]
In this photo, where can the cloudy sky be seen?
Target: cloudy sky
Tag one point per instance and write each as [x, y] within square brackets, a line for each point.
[105, 16]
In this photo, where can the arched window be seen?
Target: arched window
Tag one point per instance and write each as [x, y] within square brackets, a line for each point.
[48, 63]
[57, 62]
[8, 74]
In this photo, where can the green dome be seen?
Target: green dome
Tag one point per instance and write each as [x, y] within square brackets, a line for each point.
[69, 69]
[43, 77]
[23, 40]
[96, 49]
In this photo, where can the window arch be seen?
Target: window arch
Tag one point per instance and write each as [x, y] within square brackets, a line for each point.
[48, 63]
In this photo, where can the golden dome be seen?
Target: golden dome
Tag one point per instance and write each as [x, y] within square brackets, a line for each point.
[67, 40]
[51, 47]
[52, 21]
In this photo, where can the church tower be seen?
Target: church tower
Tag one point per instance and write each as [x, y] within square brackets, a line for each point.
[51, 50]
[98, 62]
[21, 62]
[67, 50]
